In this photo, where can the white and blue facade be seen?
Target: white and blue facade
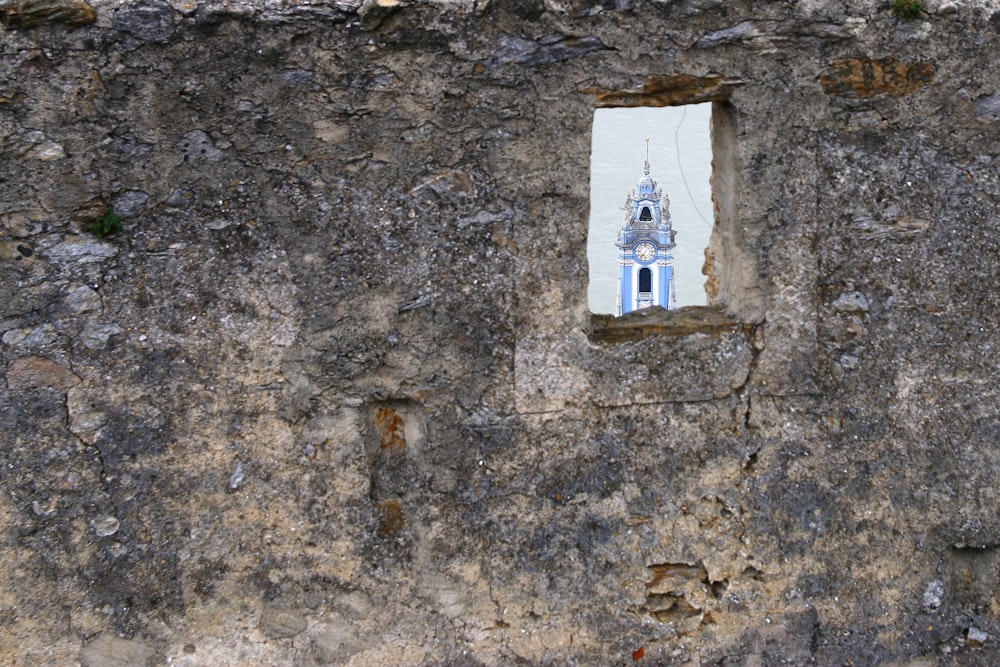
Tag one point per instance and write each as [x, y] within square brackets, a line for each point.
[645, 249]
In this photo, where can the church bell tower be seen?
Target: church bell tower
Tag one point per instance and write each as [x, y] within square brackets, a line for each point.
[645, 249]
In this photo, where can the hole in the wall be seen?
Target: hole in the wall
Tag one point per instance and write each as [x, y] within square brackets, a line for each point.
[735, 293]
[626, 273]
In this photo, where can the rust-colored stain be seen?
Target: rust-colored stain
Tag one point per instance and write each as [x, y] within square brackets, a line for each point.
[866, 77]
[667, 90]
[392, 517]
[21, 14]
[647, 322]
[708, 270]
[672, 577]
[389, 426]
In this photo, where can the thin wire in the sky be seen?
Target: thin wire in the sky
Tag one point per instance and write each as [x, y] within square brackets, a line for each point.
[677, 149]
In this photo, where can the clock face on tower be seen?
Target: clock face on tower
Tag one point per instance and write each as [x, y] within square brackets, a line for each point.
[645, 251]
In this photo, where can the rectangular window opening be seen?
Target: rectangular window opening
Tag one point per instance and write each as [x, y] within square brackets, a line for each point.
[651, 208]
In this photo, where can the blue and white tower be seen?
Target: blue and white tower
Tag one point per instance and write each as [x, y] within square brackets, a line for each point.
[645, 249]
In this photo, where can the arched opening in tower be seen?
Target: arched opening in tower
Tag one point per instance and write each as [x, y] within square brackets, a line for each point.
[645, 281]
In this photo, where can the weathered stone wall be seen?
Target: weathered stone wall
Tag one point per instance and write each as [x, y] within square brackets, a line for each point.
[333, 396]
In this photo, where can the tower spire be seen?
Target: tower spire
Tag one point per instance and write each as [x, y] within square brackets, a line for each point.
[645, 249]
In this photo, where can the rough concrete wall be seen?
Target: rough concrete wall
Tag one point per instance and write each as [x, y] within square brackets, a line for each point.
[333, 396]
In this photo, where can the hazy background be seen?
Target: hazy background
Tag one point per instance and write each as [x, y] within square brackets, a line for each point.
[679, 151]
